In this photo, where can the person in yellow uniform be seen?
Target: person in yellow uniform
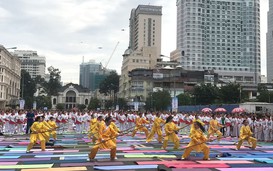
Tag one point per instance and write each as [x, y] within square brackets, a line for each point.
[116, 129]
[196, 119]
[246, 134]
[170, 131]
[198, 142]
[214, 128]
[37, 134]
[105, 141]
[46, 129]
[156, 129]
[140, 126]
[93, 128]
[54, 126]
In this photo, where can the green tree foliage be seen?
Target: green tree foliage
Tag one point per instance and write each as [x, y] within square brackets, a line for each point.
[60, 106]
[81, 107]
[108, 104]
[184, 99]
[264, 94]
[122, 104]
[205, 94]
[161, 100]
[43, 101]
[94, 104]
[230, 93]
[28, 88]
[110, 83]
[53, 85]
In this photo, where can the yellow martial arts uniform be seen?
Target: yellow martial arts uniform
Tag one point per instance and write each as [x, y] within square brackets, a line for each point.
[214, 128]
[140, 126]
[53, 125]
[192, 125]
[115, 128]
[46, 130]
[246, 134]
[105, 134]
[93, 129]
[156, 129]
[34, 137]
[197, 137]
[170, 129]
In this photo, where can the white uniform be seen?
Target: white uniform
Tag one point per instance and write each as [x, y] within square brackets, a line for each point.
[78, 123]
[228, 125]
[12, 122]
[122, 122]
[20, 123]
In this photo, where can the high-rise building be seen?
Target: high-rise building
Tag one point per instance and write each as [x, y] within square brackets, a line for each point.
[269, 40]
[10, 76]
[91, 74]
[220, 35]
[144, 44]
[31, 62]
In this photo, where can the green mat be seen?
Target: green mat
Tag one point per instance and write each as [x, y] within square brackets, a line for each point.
[148, 156]
[30, 166]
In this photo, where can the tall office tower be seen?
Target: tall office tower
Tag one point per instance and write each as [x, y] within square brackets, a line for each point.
[91, 75]
[269, 40]
[144, 46]
[31, 62]
[220, 35]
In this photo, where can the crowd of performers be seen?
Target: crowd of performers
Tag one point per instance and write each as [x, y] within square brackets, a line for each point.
[104, 127]
[18, 122]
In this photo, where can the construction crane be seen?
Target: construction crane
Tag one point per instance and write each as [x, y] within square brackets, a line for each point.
[112, 54]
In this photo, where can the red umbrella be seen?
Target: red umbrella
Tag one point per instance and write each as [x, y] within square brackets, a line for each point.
[220, 110]
[206, 110]
[238, 110]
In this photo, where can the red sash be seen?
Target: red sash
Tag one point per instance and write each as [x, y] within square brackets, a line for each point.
[64, 121]
[228, 124]
[19, 121]
[78, 122]
[11, 122]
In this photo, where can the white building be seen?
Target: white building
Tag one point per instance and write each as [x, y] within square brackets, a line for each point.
[31, 62]
[10, 76]
[220, 35]
[72, 95]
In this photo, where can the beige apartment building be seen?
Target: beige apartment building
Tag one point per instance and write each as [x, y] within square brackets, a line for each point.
[10, 76]
[144, 45]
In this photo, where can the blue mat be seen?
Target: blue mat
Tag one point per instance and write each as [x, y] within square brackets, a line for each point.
[251, 165]
[264, 160]
[125, 167]
[9, 157]
[55, 161]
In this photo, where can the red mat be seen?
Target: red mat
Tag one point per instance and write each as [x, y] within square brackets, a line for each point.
[145, 151]
[182, 165]
[226, 162]
[174, 162]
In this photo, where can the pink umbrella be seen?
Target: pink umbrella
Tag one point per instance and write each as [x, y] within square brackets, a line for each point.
[238, 110]
[220, 110]
[206, 110]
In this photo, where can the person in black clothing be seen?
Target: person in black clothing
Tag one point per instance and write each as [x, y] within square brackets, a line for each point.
[30, 119]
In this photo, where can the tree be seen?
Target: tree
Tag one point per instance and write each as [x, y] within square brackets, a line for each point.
[160, 100]
[122, 104]
[108, 104]
[230, 93]
[53, 85]
[28, 88]
[43, 101]
[264, 94]
[110, 83]
[81, 107]
[205, 94]
[60, 106]
[94, 104]
[184, 99]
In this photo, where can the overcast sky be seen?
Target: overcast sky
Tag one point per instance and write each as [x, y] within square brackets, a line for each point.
[66, 30]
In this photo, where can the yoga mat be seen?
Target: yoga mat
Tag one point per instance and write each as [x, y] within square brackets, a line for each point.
[58, 169]
[199, 169]
[92, 164]
[26, 166]
[222, 165]
[8, 163]
[62, 155]
[251, 165]
[226, 162]
[146, 151]
[59, 151]
[164, 162]
[264, 160]
[9, 157]
[25, 159]
[246, 169]
[125, 167]
[232, 159]
[148, 156]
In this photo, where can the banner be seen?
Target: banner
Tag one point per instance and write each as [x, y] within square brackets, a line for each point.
[22, 104]
[34, 105]
[174, 104]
